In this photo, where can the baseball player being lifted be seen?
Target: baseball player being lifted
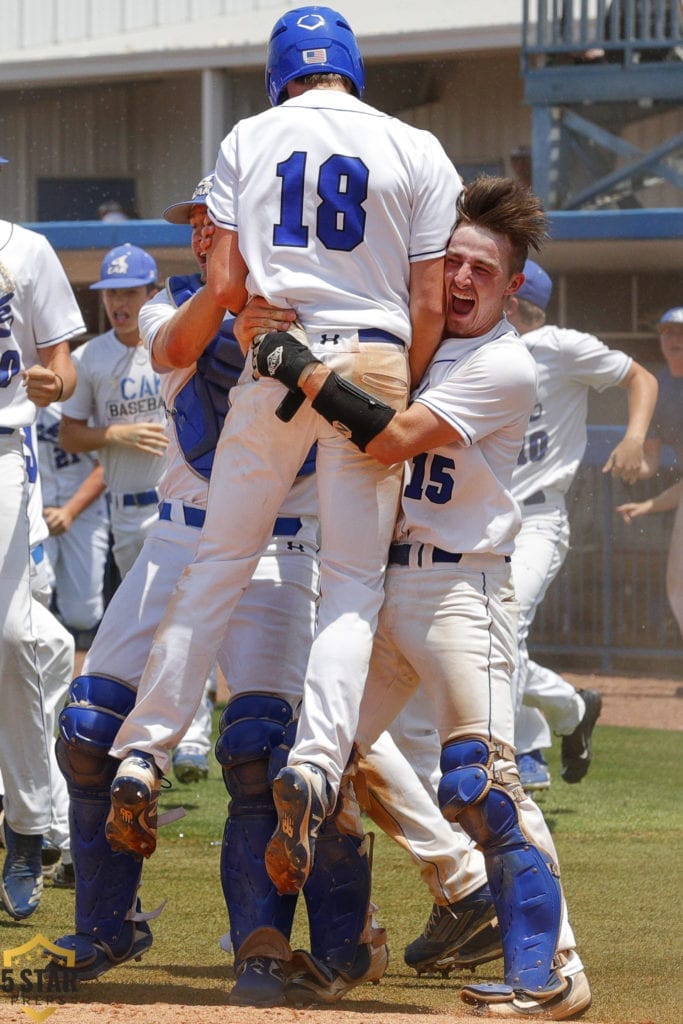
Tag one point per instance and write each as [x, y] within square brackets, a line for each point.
[348, 225]
[38, 316]
[569, 363]
[448, 618]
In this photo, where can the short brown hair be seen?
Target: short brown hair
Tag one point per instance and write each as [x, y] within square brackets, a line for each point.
[327, 78]
[510, 209]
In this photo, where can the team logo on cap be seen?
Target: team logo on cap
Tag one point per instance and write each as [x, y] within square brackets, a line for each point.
[314, 56]
[310, 22]
[119, 265]
[204, 187]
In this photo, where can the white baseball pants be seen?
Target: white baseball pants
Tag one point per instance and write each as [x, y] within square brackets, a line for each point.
[452, 628]
[24, 733]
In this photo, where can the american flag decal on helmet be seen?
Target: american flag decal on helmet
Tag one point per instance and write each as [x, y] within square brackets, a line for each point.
[315, 56]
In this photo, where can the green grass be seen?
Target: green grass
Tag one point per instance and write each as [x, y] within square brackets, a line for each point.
[619, 837]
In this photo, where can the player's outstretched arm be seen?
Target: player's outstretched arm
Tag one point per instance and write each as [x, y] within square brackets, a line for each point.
[627, 460]
[665, 501]
[181, 340]
[366, 420]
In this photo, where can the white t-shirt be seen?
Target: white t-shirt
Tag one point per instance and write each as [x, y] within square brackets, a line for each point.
[180, 481]
[458, 497]
[37, 309]
[569, 363]
[116, 384]
[333, 200]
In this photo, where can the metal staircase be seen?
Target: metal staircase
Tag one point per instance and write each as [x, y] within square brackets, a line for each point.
[592, 68]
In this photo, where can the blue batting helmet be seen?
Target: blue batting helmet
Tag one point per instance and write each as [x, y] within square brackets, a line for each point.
[309, 40]
[672, 316]
[537, 287]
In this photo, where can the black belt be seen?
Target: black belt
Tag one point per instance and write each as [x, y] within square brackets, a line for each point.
[6, 430]
[140, 499]
[399, 554]
[537, 498]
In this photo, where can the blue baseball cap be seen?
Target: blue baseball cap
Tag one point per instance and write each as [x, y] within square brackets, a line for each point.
[179, 213]
[537, 287]
[126, 266]
[672, 316]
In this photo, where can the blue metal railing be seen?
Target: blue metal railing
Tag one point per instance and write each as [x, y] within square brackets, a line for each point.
[628, 31]
[608, 607]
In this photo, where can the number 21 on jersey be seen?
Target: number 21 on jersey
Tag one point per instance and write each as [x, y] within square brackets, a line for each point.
[342, 186]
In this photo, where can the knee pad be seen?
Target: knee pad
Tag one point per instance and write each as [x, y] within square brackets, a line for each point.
[337, 894]
[482, 800]
[253, 727]
[524, 881]
[95, 708]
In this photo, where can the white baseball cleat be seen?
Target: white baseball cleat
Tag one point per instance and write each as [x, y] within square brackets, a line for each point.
[502, 1001]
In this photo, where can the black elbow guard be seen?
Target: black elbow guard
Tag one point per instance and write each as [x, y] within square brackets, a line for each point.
[355, 413]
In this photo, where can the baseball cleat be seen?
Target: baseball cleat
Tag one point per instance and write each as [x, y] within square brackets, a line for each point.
[501, 1001]
[94, 958]
[299, 794]
[132, 821]
[190, 765]
[462, 934]
[576, 748]
[310, 981]
[50, 857]
[22, 874]
[534, 773]
[64, 876]
[260, 982]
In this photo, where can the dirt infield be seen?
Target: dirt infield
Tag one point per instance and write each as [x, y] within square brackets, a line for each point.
[633, 700]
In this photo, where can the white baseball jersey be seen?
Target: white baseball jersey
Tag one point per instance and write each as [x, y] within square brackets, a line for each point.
[37, 309]
[568, 364]
[458, 497]
[116, 384]
[333, 200]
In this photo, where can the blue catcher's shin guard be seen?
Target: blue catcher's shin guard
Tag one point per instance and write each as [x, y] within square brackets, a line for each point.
[524, 882]
[337, 894]
[106, 882]
[252, 728]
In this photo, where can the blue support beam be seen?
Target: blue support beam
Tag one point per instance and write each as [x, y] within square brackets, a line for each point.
[565, 226]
